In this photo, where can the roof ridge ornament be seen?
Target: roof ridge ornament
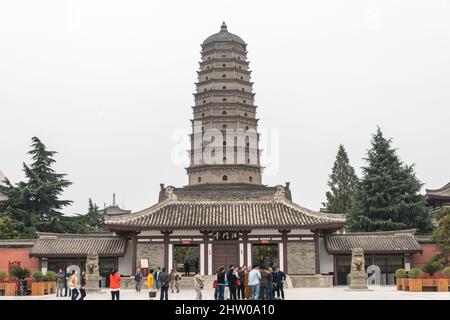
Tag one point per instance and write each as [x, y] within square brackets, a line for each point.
[280, 193]
[223, 27]
[171, 196]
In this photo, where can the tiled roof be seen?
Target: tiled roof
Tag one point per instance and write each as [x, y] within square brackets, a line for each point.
[16, 243]
[78, 245]
[191, 213]
[441, 193]
[402, 241]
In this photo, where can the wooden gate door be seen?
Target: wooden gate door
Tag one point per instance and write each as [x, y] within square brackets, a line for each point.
[225, 254]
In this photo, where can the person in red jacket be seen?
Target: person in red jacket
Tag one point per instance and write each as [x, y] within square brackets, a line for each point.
[114, 284]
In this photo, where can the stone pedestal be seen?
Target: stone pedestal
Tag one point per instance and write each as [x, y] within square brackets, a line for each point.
[358, 280]
[93, 283]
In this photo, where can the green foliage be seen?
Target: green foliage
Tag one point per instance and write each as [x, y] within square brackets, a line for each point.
[446, 271]
[441, 234]
[431, 267]
[388, 195]
[10, 228]
[341, 182]
[3, 275]
[401, 273]
[20, 273]
[414, 273]
[50, 276]
[37, 276]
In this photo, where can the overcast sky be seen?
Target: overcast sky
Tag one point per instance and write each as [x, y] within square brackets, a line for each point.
[108, 84]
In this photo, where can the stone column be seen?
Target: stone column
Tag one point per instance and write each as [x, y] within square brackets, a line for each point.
[166, 234]
[284, 237]
[245, 241]
[134, 253]
[205, 252]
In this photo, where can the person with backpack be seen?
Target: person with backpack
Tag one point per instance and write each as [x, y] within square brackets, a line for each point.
[114, 284]
[164, 280]
[138, 280]
[198, 284]
[73, 285]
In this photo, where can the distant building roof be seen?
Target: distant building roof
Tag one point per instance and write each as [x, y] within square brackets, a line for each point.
[113, 210]
[16, 243]
[441, 193]
[388, 242]
[78, 245]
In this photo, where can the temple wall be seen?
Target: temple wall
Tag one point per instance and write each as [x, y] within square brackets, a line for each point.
[125, 264]
[326, 260]
[301, 258]
[154, 252]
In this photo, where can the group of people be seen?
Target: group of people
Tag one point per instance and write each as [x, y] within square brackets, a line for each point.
[72, 285]
[257, 283]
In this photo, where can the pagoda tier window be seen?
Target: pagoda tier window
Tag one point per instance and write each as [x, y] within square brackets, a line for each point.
[224, 178]
[245, 101]
[242, 77]
[240, 67]
[224, 112]
[245, 114]
[206, 78]
[224, 99]
[224, 126]
[203, 114]
[243, 89]
[224, 87]
[224, 76]
[199, 179]
[223, 56]
[224, 65]
[246, 127]
[250, 179]
[204, 101]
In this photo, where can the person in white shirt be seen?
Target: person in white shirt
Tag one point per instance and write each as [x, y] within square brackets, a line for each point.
[254, 277]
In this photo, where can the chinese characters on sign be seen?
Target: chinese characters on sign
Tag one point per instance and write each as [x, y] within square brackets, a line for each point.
[225, 235]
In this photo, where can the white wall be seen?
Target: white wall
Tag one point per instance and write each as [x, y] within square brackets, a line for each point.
[326, 260]
[125, 262]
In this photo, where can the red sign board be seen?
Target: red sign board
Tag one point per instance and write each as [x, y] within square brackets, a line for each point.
[264, 241]
[186, 241]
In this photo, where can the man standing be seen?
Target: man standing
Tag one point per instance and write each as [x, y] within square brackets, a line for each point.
[164, 280]
[174, 278]
[187, 266]
[279, 279]
[254, 278]
[61, 283]
[198, 284]
[264, 282]
[138, 280]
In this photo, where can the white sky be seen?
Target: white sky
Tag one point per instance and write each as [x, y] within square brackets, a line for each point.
[107, 83]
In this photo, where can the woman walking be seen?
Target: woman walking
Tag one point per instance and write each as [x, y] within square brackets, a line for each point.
[198, 284]
[241, 284]
[151, 284]
[83, 282]
[73, 285]
[114, 285]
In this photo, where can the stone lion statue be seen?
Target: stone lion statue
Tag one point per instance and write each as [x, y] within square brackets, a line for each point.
[358, 259]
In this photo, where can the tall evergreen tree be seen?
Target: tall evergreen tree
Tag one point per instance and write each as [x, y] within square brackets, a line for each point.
[387, 197]
[36, 202]
[442, 235]
[93, 218]
[341, 183]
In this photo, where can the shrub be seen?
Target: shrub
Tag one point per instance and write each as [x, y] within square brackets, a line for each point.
[50, 276]
[20, 273]
[446, 271]
[414, 273]
[400, 273]
[3, 275]
[432, 267]
[37, 276]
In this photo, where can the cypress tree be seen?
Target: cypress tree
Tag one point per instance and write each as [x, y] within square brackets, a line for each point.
[388, 195]
[341, 183]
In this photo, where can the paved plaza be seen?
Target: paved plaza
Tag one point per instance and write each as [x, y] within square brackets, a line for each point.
[334, 293]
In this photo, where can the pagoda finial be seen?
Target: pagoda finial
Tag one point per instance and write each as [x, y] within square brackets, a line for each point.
[114, 199]
[223, 27]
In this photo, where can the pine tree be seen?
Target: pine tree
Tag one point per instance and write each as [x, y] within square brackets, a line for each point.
[387, 197]
[341, 183]
[36, 202]
[442, 235]
[93, 218]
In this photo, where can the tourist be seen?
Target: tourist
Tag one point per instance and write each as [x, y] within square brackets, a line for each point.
[241, 286]
[163, 279]
[198, 284]
[83, 282]
[220, 278]
[156, 276]
[248, 290]
[60, 283]
[186, 267]
[66, 285]
[73, 285]
[138, 280]
[227, 279]
[263, 283]
[279, 279]
[151, 284]
[114, 284]
[174, 280]
[232, 282]
[269, 288]
[254, 278]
